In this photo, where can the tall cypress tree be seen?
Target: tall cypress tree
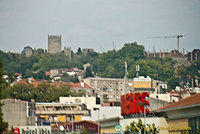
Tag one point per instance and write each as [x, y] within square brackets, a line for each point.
[3, 125]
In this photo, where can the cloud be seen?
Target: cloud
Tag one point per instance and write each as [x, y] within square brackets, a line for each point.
[7, 16]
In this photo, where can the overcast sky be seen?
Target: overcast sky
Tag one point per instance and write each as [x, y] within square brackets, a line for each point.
[97, 23]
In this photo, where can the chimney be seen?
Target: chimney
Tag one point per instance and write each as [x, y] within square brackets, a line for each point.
[163, 53]
[183, 51]
[196, 55]
[82, 84]
[160, 54]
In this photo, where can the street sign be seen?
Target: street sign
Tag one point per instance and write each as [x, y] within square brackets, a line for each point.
[118, 128]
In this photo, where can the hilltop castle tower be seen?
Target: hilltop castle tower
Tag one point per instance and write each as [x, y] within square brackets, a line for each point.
[68, 52]
[54, 44]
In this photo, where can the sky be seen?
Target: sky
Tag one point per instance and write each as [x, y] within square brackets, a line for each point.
[99, 24]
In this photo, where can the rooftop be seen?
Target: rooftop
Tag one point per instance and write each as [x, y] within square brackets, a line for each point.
[186, 102]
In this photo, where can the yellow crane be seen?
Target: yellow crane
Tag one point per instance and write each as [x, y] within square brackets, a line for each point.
[175, 36]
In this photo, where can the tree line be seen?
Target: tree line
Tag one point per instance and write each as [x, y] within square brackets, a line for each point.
[108, 64]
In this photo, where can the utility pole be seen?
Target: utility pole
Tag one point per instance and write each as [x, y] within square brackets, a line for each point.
[125, 76]
[98, 118]
[113, 45]
[72, 123]
[137, 70]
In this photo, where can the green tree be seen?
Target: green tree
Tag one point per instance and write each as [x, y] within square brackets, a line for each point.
[139, 127]
[67, 78]
[3, 124]
[44, 92]
[79, 52]
[88, 72]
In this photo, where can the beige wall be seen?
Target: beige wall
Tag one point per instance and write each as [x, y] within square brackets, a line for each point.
[90, 102]
[108, 130]
[175, 126]
[142, 84]
[159, 122]
[165, 97]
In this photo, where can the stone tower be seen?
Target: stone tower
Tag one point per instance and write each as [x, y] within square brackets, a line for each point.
[54, 44]
[68, 52]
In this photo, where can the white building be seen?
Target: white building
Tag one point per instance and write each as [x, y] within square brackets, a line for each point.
[90, 102]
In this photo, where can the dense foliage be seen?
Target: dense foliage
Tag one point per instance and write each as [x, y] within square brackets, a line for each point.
[44, 92]
[139, 127]
[189, 73]
[3, 124]
[108, 64]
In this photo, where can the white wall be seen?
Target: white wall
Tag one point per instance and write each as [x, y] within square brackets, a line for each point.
[90, 102]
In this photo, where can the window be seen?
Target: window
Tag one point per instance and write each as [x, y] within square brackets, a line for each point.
[77, 101]
[194, 124]
[105, 89]
[105, 96]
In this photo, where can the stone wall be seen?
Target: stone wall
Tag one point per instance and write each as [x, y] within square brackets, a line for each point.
[54, 44]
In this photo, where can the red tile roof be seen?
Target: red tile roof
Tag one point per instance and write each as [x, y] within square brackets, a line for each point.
[191, 100]
[78, 85]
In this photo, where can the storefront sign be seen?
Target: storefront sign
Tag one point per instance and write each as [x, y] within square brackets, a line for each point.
[134, 103]
[32, 130]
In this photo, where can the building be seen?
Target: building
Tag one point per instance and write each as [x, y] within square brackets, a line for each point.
[54, 44]
[182, 116]
[103, 113]
[79, 127]
[159, 86]
[32, 130]
[28, 51]
[90, 126]
[141, 83]
[18, 113]
[58, 72]
[180, 57]
[68, 52]
[90, 102]
[109, 88]
[85, 66]
[108, 124]
[87, 50]
[78, 87]
[52, 113]
[194, 55]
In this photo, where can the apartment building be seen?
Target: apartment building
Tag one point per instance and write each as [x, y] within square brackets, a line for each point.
[109, 88]
[18, 112]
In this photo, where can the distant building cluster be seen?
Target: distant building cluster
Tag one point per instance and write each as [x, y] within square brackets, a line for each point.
[58, 73]
[102, 104]
[99, 110]
[182, 57]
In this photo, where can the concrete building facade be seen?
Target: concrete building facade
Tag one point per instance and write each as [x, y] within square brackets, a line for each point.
[18, 113]
[68, 52]
[87, 50]
[109, 88]
[108, 125]
[51, 113]
[28, 51]
[182, 116]
[90, 102]
[54, 44]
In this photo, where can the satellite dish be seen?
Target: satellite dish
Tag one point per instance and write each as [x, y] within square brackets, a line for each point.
[62, 128]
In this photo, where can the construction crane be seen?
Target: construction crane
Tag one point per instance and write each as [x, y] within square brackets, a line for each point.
[175, 36]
